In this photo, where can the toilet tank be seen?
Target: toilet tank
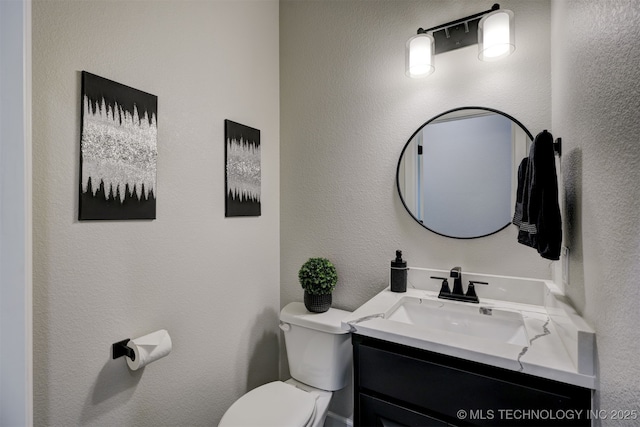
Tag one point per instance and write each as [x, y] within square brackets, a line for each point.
[318, 349]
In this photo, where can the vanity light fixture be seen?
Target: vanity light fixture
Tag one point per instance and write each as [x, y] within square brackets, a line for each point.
[419, 55]
[496, 35]
[492, 30]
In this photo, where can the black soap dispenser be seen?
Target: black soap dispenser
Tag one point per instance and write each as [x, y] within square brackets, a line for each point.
[399, 274]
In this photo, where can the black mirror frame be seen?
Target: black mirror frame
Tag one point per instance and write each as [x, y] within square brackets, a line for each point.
[422, 127]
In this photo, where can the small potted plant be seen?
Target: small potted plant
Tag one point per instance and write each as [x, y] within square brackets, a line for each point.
[318, 278]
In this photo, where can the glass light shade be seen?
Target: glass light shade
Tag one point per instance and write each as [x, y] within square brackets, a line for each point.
[419, 55]
[496, 35]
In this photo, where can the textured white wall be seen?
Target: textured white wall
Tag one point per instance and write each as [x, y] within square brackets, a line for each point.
[212, 282]
[596, 100]
[347, 110]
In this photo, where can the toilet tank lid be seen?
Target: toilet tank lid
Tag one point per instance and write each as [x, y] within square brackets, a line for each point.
[330, 321]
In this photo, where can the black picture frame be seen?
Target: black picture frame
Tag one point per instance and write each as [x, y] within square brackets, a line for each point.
[242, 170]
[118, 151]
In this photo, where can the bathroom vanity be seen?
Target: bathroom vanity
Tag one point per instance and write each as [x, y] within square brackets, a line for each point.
[519, 357]
[410, 386]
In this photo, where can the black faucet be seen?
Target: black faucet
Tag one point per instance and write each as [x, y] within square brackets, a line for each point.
[457, 294]
[456, 274]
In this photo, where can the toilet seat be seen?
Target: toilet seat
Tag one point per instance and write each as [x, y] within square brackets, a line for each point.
[273, 404]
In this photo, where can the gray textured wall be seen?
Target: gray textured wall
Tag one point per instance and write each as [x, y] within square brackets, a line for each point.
[347, 110]
[212, 282]
[596, 100]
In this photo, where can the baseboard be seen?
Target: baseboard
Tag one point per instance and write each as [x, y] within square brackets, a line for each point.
[335, 420]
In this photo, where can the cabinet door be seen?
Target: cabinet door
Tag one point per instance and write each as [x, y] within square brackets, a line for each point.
[378, 413]
[445, 387]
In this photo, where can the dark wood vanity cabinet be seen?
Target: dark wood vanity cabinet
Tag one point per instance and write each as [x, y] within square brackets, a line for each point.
[396, 385]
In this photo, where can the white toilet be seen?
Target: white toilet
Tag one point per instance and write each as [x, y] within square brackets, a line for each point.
[319, 354]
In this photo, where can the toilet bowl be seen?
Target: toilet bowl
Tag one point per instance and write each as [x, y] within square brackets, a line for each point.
[279, 404]
[319, 355]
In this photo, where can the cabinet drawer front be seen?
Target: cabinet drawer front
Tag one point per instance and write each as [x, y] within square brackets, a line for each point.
[447, 389]
[378, 413]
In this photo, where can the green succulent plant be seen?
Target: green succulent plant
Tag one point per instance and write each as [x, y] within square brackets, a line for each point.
[318, 276]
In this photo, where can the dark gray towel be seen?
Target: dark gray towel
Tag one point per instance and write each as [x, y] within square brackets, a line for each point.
[537, 213]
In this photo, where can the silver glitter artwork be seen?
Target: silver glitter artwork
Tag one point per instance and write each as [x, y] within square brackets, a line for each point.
[119, 153]
[243, 170]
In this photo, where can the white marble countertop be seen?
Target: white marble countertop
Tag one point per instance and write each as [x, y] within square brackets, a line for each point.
[560, 344]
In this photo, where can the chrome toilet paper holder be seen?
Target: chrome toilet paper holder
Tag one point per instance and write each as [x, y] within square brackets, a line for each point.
[121, 348]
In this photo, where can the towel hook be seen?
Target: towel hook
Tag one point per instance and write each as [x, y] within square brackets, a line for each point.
[557, 146]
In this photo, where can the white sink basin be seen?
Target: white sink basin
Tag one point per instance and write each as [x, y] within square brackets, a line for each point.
[461, 318]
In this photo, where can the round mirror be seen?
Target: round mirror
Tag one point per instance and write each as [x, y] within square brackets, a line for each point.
[457, 175]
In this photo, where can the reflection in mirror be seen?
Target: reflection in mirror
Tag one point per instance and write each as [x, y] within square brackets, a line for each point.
[457, 174]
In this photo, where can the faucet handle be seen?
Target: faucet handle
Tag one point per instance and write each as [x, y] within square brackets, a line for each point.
[471, 289]
[475, 282]
[445, 284]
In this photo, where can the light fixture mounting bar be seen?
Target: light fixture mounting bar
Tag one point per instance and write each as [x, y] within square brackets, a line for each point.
[456, 34]
[459, 21]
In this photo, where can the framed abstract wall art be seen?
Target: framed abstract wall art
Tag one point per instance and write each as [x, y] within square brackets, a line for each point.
[242, 170]
[118, 151]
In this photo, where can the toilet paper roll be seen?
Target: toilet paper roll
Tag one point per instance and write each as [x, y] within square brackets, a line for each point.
[149, 348]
